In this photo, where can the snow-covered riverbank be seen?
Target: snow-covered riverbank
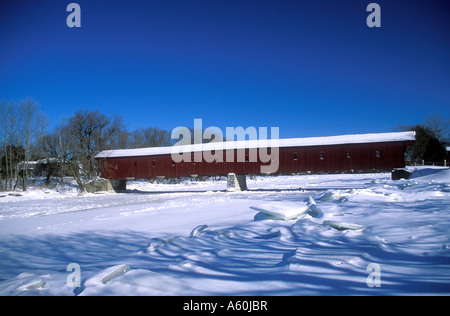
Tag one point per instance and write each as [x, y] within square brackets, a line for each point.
[194, 238]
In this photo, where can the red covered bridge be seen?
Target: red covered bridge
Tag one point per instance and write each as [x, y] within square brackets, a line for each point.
[346, 153]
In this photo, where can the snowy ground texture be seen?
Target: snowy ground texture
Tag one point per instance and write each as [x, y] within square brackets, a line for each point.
[287, 235]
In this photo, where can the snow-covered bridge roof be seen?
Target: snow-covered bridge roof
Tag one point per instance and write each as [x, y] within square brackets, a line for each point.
[249, 144]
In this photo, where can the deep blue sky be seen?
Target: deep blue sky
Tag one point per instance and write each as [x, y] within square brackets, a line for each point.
[312, 68]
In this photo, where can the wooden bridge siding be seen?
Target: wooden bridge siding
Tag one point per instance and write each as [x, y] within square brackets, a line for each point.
[329, 158]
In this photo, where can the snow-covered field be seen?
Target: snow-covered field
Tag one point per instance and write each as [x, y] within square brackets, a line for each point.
[287, 235]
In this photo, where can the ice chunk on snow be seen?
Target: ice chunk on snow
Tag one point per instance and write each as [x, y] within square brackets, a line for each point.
[342, 226]
[313, 211]
[34, 285]
[283, 233]
[224, 233]
[141, 282]
[282, 210]
[108, 274]
[154, 244]
[288, 211]
[25, 284]
[198, 230]
[341, 196]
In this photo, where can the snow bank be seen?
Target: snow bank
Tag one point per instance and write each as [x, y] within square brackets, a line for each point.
[427, 173]
[187, 242]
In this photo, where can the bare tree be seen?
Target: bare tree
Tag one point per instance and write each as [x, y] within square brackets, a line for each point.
[7, 140]
[82, 137]
[31, 125]
[69, 153]
[47, 148]
[116, 136]
[439, 127]
[71, 147]
[150, 137]
[20, 126]
[87, 130]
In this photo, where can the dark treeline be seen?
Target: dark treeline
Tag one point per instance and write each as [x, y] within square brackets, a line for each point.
[432, 137]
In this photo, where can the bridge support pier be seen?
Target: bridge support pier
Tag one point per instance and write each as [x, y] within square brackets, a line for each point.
[118, 184]
[236, 182]
[104, 185]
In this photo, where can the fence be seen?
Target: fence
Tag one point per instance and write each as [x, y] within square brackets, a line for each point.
[434, 163]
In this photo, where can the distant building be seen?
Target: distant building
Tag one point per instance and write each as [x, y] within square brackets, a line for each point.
[30, 166]
[42, 167]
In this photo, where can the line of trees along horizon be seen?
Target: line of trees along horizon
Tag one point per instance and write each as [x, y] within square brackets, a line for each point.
[70, 147]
